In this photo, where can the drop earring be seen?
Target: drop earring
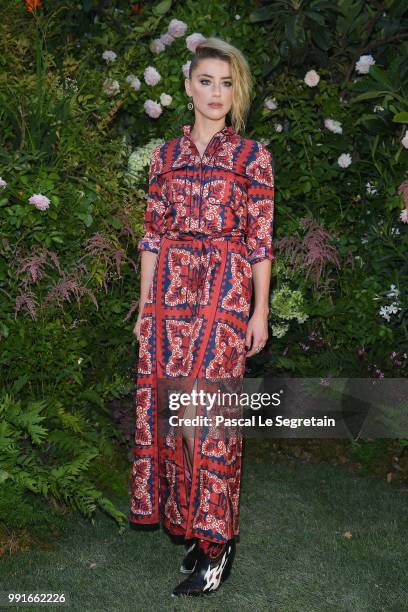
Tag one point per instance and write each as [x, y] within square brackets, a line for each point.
[190, 105]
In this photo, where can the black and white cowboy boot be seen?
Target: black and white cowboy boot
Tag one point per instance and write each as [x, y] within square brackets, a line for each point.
[189, 562]
[212, 568]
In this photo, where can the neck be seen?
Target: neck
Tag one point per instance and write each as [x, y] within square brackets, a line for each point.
[203, 131]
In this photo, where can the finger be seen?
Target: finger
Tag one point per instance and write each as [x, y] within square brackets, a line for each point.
[248, 339]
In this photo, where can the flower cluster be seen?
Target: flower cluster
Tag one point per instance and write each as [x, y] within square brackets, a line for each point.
[287, 304]
[175, 30]
[389, 309]
[152, 77]
[39, 201]
[139, 159]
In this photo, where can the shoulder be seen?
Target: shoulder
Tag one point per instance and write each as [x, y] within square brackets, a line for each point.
[255, 148]
[258, 160]
[163, 155]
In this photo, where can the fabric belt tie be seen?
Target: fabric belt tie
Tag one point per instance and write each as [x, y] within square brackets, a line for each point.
[207, 243]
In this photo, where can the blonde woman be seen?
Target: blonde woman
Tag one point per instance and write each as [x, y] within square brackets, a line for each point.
[206, 253]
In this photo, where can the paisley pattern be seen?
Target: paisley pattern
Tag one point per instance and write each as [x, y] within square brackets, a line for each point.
[208, 220]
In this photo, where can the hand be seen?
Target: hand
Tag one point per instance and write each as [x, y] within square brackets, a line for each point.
[136, 329]
[257, 332]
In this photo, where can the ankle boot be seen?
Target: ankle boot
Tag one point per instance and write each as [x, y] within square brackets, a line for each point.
[212, 569]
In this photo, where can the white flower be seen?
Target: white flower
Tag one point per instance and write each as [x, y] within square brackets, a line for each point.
[395, 231]
[363, 64]
[165, 99]
[394, 308]
[3, 183]
[270, 104]
[378, 108]
[278, 127]
[344, 160]
[133, 81]
[371, 190]
[109, 56]
[384, 312]
[404, 141]
[404, 215]
[333, 125]
[311, 78]
[110, 87]
[394, 292]
[237, 17]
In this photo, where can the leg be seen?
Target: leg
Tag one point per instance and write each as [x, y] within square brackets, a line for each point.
[189, 432]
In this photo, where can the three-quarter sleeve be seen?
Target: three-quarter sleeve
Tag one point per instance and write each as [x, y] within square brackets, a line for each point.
[153, 222]
[261, 192]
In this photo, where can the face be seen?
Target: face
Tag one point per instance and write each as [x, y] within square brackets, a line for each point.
[211, 88]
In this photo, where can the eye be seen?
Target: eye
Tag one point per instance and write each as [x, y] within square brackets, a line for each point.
[228, 83]
[204, 81]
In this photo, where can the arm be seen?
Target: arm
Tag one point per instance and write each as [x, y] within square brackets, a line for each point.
[259, 242]
[154, 228]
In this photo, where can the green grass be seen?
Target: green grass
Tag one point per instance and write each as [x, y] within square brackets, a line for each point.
[293, 555]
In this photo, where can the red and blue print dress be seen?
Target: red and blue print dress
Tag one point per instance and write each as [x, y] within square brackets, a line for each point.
[208, 220]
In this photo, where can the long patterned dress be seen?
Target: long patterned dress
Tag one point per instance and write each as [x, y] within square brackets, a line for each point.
[209, 220]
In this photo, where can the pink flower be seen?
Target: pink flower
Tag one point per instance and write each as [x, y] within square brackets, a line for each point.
[39, 201]
[403, 190]
[157, 46]
[193, 40]
[270, 104]
[333, 126]
[167, 39]
[404, 216]
[311, 78]
[151, 76]
[153, 109]
[185, 68]
[177, 28]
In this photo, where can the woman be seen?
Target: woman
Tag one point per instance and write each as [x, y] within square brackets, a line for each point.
[206, 251]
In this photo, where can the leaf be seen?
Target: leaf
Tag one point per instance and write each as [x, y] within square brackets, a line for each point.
[401, 117]
[368, 95]
[380, 76]
[162, 8]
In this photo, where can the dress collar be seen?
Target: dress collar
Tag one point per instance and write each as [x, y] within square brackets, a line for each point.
[223, 134]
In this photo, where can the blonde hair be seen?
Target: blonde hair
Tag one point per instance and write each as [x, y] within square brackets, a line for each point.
[213, 47]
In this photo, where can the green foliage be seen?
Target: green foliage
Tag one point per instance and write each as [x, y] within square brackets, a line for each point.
[51, 461]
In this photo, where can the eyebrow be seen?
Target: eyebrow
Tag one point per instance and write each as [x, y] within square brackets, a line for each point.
[211, 77]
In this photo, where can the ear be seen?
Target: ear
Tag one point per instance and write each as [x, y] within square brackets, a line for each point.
[187, 86]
